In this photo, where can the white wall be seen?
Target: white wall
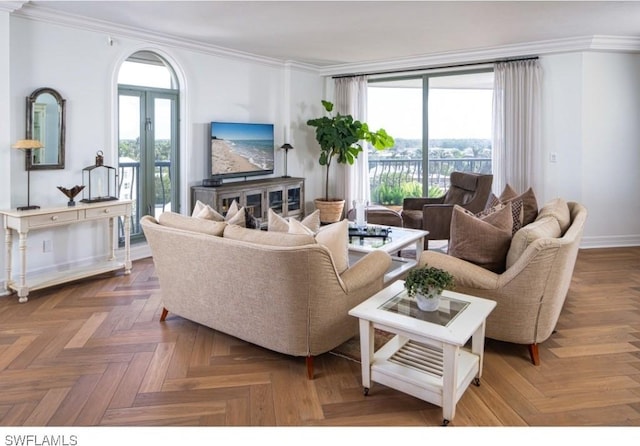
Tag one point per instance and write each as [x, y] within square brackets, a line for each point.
[82, 66]
[591, 111]
[5, 113]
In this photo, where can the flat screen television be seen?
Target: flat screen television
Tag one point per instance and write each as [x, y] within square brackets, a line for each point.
[240, 149]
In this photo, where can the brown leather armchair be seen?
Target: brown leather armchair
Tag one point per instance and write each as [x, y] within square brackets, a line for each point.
[467, 189]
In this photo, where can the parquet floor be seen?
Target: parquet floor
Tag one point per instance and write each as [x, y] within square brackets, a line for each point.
[93, 353]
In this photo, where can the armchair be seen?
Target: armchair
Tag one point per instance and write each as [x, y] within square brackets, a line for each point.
[531, 292]
[467, 189]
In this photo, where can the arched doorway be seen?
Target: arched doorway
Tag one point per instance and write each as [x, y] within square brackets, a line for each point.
[148, 142]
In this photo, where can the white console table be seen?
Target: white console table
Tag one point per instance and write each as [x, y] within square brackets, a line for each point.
[22, 222]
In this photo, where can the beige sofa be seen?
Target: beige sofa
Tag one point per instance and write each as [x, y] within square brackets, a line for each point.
[276, 290]
[531, 291]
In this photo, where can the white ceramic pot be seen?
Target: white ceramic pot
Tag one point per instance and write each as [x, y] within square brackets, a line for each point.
[428, 302]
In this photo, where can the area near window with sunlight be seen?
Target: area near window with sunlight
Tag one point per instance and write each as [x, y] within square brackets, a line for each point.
[457, 128]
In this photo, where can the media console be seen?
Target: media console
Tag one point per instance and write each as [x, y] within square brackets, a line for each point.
[284, 195]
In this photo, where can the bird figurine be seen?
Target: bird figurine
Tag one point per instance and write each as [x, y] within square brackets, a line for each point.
[71, 193]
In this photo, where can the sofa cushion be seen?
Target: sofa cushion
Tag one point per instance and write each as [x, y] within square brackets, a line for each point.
[235, 232]
[335, 237]
[546, 227]
[483, 241]
[179, 221]
[558, 209]
[280, 224]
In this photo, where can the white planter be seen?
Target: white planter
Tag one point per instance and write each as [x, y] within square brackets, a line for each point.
[428, 302]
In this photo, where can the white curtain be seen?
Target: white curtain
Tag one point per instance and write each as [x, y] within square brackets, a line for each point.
[516, 126]
[351, 99]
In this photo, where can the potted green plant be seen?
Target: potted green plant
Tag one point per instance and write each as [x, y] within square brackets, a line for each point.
[340, 137]
[426, 285]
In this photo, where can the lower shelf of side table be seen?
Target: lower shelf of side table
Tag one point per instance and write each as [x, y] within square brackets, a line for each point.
[417, 369]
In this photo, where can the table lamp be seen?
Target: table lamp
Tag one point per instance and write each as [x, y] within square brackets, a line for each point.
[286, 147]
[27, 145]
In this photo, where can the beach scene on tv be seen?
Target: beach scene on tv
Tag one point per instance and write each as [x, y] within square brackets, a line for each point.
[237, 147]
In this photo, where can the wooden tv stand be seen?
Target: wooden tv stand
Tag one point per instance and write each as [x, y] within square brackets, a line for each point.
[284, 195]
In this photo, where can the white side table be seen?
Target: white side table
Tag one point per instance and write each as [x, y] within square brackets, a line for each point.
[427, 358]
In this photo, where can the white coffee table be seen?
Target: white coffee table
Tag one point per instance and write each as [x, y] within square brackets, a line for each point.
[398, 239]
[427, 358]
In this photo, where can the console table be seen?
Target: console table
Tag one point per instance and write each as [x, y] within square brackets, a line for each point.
[22, 222]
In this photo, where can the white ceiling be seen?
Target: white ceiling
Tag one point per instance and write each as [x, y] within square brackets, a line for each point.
[333, 33]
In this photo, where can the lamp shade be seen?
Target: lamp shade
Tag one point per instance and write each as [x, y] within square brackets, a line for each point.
[286, 146]
[26, 144]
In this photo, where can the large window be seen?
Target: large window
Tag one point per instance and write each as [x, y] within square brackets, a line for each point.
[148, 137]
[441, 122]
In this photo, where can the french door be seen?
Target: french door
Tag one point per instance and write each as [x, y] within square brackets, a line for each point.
[148, 152]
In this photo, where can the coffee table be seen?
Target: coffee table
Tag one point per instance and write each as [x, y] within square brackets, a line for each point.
[429, 357]
[396, 240]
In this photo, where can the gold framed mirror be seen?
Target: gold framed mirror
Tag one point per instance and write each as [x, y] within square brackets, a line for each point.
[46, 123]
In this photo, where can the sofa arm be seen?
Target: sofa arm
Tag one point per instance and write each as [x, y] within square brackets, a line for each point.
[466, 274]
[369, 268]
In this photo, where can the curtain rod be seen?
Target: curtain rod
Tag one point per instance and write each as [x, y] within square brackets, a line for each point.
[440, 67]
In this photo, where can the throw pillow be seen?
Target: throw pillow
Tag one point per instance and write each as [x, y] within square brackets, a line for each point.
[529, 205]
[280, 224]
[179, 221]
[235, 216]
[335, 237]
[482, 241]
[202, 210]
[297, 227]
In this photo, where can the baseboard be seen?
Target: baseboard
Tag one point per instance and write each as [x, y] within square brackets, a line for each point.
[612, 241]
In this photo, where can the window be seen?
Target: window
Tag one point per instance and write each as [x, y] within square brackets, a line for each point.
[441, 122]
[148, 137]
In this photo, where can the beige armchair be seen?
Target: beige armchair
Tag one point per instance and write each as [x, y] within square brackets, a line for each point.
[531, 292]
[467, 189]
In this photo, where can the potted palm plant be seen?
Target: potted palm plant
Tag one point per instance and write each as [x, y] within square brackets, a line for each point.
[340, 137]
[426, 285]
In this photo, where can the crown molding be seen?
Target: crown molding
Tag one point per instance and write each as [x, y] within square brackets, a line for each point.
[11, 6]
[482, 55]
[44, 14]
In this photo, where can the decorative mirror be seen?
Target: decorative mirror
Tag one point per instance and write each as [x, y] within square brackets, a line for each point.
[45, 122]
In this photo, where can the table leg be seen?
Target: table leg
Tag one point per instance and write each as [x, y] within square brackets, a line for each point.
[127, 248]
[23, 291]
[366, 352]
[419, 248]
[112, 248]
[8, 239]
[449, 381]
[477, 348]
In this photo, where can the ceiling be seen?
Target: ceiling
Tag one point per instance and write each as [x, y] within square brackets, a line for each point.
[332, 33]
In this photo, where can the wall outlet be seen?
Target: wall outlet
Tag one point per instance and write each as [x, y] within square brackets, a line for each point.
[47, 246]
[553, 157]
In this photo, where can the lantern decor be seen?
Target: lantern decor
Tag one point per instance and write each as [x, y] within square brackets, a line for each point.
[99, 181]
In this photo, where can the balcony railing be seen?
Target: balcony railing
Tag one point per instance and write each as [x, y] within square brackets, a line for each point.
[392, 180]
[128, 188]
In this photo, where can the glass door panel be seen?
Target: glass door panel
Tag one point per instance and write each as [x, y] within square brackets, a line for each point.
[129, 156]
[163, 141]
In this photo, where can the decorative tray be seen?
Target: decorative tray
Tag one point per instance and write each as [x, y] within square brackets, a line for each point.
[370, 231]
